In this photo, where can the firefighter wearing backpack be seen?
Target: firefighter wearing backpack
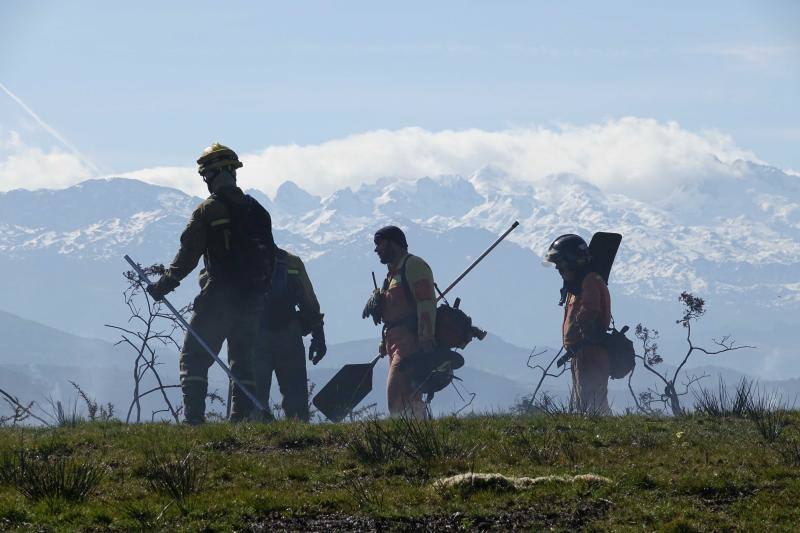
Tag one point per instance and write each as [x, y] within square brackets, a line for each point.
[232, 232]
[587, 315]
[291, 312]
[407, 307]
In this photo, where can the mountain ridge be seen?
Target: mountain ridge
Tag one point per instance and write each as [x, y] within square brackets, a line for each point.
[744, 265]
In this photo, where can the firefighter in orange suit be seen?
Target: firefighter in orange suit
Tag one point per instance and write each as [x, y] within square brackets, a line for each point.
[587, 315]
[406, 305]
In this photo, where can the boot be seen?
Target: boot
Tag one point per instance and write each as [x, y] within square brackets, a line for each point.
[194, 404]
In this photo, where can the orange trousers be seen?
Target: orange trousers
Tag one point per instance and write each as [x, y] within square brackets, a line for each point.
[401, 342]
[590, 380]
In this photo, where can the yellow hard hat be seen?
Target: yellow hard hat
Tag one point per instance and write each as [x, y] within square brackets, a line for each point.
[217, 156]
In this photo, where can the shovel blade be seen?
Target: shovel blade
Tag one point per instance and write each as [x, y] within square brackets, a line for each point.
[344, 391]
[603, 250]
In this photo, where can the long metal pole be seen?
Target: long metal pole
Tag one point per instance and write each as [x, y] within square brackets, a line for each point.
[478, 260]
[198, 338]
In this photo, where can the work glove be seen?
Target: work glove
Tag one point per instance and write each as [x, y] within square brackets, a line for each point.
[374, 307]
[162, 287]
[317, 349]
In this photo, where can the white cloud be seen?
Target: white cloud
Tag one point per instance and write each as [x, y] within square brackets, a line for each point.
[643, 158]
[27, 167]
[184, 178]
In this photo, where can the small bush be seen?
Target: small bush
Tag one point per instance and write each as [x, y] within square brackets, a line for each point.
[540, 405]
[64, 417]
[421, 441]
[371, 443]
[424, 441]
[176, 477]
[768, 413]
[38, 477]
[721, 403]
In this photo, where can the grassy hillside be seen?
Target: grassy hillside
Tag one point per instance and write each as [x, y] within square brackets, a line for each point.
[694, 473]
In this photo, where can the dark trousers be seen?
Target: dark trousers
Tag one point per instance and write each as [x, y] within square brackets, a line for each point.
[282, 351]
[219, 315]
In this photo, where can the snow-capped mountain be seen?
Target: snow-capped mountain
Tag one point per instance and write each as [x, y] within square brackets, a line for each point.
[734, 240]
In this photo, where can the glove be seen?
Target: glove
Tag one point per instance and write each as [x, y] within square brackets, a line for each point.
[317, 348]
[162, 287]
[374, 307]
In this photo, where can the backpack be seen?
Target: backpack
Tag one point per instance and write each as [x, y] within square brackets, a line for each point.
[621, 353]
[284, 295]
[432, 372]
[252, 249]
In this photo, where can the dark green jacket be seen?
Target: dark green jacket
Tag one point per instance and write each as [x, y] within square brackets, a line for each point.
[207, 234]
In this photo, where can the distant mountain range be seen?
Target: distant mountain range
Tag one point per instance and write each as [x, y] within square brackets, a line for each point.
[735, 242]
[40, 362]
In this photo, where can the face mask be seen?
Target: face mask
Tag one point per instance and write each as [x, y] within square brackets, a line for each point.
[212, 175]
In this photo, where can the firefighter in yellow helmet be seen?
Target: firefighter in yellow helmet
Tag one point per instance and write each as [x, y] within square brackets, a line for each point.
[406, 305]
[232, 232]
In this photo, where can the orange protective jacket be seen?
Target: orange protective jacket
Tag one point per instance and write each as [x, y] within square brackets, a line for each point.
[398, 310]
[588, 315]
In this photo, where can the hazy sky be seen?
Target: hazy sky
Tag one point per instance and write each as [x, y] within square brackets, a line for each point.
[118, 88]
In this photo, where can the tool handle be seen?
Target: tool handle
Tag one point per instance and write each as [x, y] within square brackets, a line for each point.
[478, 260]
[143, 277]
[374, 281]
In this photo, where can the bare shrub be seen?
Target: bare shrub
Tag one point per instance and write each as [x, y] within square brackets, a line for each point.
[669, 398]
[95, 410]
[149, 327]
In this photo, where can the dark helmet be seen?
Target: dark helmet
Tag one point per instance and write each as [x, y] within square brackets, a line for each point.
[217, 156]
[570, 250]
[392, 233]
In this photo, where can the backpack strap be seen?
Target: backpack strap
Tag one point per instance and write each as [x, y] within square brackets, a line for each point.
[406, 286]
[411, 319]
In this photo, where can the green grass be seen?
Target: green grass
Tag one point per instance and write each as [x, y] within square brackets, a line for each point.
[697, 473]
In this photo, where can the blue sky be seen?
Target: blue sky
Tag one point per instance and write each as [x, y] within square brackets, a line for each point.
[142, 85]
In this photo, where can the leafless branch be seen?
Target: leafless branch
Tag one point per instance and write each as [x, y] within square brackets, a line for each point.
[545, 370]
[148, 326]
[694, 309]
[21, 412]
